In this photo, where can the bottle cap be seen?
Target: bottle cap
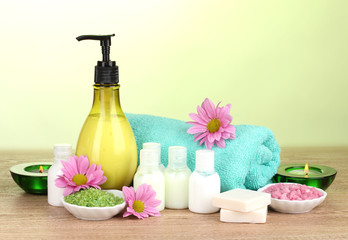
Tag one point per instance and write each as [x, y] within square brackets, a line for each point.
[152, 145]
[155, 146]
[205, 160]
[149, 157]
[62, 149]
[61, 152]
[177, 156]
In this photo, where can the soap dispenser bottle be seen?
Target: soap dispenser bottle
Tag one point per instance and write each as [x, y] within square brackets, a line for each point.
[106, 136]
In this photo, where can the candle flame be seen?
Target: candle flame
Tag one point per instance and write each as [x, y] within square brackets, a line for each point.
[306, 170]
[41, 169]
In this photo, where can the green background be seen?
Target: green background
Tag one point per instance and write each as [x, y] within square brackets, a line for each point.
[281, 64]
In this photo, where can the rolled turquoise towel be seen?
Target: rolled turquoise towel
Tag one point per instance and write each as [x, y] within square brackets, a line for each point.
[249, 161]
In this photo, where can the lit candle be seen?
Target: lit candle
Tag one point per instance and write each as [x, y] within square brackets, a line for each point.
[31, 177]
[305, 172]
[40, 170]
[314, 175]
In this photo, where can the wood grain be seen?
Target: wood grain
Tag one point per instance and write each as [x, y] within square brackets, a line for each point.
[26, 216]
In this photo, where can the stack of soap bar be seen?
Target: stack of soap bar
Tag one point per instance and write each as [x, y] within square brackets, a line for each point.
[241, 205]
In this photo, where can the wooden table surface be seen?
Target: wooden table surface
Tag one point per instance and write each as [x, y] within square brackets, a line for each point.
[26, 216]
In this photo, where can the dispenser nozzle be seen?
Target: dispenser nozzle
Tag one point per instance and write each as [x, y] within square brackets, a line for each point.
[106, 71]
[105, 43]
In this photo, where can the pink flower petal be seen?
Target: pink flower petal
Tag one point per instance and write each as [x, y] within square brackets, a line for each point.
[205, 139]
[101, 180]
[152, 202]
[145, 193]
[68, 190]
[217, 135]
[230, 129]
[130, 203]
[130, 210]
[228, 108]
[196, 135]
[221, 143]
[200, 136]
[128, 193]
[225, 112]
[208, 144]
[77, 188]
[83, 164]
[209, 107]
[202, 113]
[144, 214]
[229, 118]
[224, 123]
[91, 171]
[67, 174]
[140, 191]
[60, 182]
[217, 108]
[73, 161]
[69, 170]
[70, 182]
[233, 136]
[197, 129]
[226, 135]
[152, 211]
[97, 178]
[138, 215]
[211, 138]
[126, 214]
[198, 119]
[99, 167]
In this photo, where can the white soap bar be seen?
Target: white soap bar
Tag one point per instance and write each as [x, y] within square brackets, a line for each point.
[242, 200]
[256, 216]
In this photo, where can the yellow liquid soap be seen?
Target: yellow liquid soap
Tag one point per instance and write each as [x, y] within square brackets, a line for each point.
[107, 138]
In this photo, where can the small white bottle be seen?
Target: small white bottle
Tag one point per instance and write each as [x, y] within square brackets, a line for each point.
[204, 183]
[54, 193]
[177, 176]
[149, 172]
[157, 147]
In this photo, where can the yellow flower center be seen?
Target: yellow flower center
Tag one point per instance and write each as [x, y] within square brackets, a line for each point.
[79, 179]
[214, 125]
[138, 206]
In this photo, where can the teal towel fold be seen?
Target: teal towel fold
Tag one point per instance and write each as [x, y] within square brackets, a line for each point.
[249, 161]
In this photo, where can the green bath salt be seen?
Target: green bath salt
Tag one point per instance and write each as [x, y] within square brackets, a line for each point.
[93, 197]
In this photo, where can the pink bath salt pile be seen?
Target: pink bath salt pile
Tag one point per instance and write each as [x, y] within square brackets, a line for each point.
[293, 192]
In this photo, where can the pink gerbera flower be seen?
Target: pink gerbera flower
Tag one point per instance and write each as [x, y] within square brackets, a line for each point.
[141, 203]
[212, 125]
[77, 175]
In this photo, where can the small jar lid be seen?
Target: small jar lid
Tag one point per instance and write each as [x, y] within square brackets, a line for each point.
[149, 157]
[177, 157]
[62, 149]
[152, 145]
[205, 160]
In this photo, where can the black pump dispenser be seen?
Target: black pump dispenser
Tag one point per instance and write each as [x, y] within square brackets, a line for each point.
[106, 71]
